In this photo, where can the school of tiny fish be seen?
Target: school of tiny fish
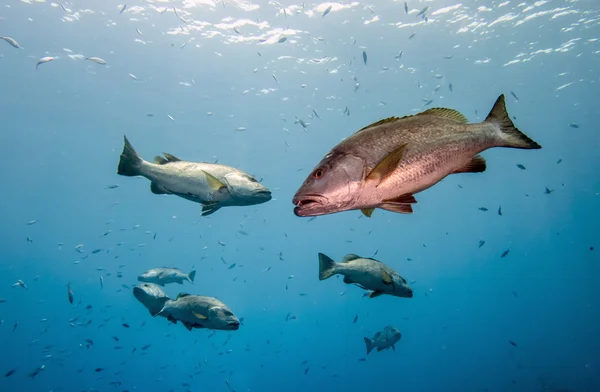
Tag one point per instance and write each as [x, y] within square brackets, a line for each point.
[381, 163]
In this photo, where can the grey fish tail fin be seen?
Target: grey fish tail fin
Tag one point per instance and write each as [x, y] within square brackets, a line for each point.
[130, 162]
[191, 276]
[510, 136]
[326, 267]
[369, 344]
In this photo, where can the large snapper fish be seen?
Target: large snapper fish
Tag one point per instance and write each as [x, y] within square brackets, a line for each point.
[384, 164]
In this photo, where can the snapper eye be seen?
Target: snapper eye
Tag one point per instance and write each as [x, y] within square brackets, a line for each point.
[318, 173]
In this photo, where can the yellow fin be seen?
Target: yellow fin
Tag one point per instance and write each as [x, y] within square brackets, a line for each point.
[387, 165]
[213, 182]
[450, 114]
[386, 277]
[380, 122]
[367, 211]
[200, 316]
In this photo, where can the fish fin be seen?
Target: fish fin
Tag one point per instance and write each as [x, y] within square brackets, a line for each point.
[367, 211]
[200, 316]
[209, 209]
[350, 257]
[374, 294]
[407, 198]
[397, 207]
[160, 160]
[450, 114]
[191, 276]
[182, 295]
[171, 158]
[348, 280]
[369, 344]
[157, 189]
[394, 347]
[154, 313]
[475, 165]
[172, 319]
[187, 325]
[386, 277]
[380, 349]
[380, 122]
[386, 166]
[377, 335]
[509, 136]
[213, 182]
[326, 267]
[130, 162]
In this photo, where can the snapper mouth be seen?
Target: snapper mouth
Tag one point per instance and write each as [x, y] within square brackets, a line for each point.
[233, 325]
[306, 205]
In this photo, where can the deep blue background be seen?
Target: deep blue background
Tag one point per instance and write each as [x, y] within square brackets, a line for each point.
[61, 134]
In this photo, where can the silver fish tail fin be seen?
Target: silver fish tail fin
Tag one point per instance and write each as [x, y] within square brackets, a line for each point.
[191, 276]
[369, 344]
[509, 136]
[326, 267]
[130, 162]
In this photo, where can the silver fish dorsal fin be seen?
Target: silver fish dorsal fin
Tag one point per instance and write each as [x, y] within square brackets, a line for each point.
[171, 158]
[380, 122]
[182, 295]
[450, 114]
[350, 257]
[160, 160]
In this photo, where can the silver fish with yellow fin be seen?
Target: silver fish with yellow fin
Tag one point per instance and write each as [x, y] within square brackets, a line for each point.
[367, 273]
[212, 185]
[384, 164]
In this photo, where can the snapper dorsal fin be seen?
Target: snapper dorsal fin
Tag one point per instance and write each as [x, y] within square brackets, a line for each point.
[450, 114]
[380, 122]
[182, 295]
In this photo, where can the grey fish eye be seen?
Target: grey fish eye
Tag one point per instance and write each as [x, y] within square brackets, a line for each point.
[318, 173]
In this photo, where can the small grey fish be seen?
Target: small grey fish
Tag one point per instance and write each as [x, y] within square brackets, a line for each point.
[514, 95]
[195, 311]
[151, 296]
[364, 57]
[367, 273]
[164, 275]
[70, 293]
[12, 42]
[327, 11]
[520, 166]
[214, 186]
[384, 164]
[383, 340]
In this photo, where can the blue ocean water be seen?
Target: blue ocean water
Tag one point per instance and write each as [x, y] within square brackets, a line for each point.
[208, 80]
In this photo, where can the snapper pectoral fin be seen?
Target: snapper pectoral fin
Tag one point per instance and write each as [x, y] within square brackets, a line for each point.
[367, 211]
[386, 166]
[374, 294]
[187, 325]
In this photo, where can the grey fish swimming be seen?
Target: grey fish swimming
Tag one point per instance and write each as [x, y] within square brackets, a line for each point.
[384, 164]
[151, 296]
[162, 276]
[214, 186]
[383, 340]
[369, 274]
[195, 311]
